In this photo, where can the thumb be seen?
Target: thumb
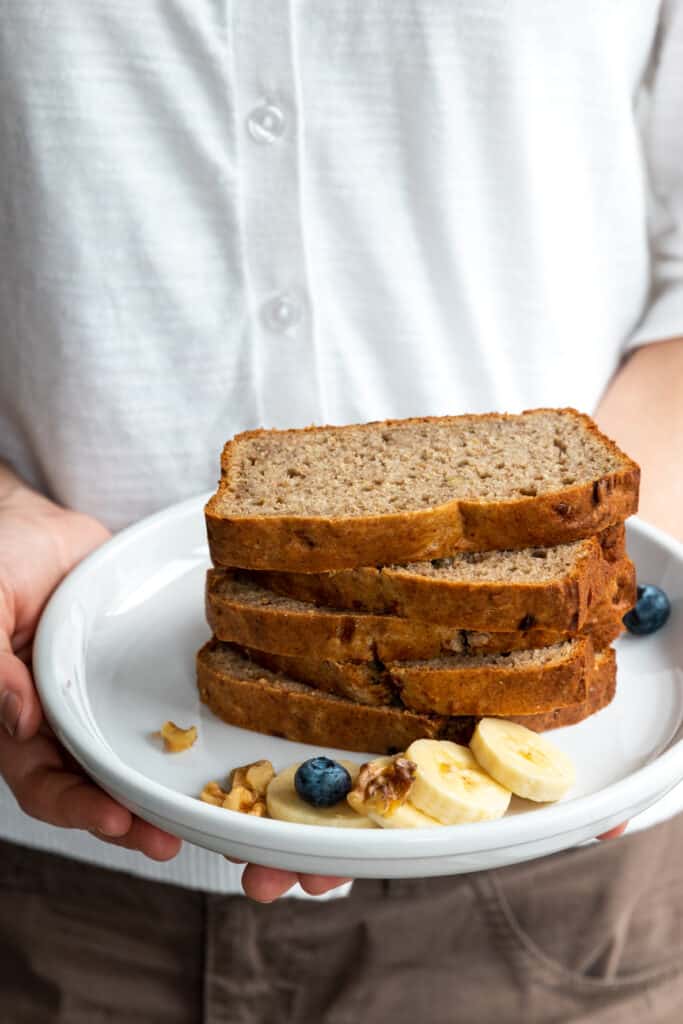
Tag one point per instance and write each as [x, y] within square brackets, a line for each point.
[20, 710]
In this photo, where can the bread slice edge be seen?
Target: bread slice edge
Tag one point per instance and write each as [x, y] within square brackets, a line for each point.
[319, 543]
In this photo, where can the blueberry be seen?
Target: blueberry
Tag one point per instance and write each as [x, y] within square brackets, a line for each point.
[322, 782]
[650, 613]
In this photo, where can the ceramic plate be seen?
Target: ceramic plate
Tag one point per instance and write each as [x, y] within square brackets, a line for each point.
[114, 658]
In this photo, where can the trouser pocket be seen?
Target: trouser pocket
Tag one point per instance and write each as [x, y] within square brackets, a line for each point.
[599, 926]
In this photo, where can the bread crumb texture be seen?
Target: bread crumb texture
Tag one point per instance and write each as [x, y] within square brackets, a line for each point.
[409, 465]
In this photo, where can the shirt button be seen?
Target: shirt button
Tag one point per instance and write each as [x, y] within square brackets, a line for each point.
[266, 123]
[281, 313]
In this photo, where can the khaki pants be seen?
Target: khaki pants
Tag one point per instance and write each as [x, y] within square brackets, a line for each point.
[592, 935]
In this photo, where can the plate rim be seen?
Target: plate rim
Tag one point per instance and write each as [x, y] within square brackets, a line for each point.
[650, 781]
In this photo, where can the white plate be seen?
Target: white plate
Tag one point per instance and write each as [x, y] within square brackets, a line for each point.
[114, 658]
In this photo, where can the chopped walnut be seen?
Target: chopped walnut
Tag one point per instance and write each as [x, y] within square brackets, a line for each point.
[240, 798]
[477, 639]
[213, 794]
[247, 791]
[177, 739]
[383, 785]
[256, 776]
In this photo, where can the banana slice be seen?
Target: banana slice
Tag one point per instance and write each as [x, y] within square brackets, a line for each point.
[395, 814]
[451, 787]
[284, 802]
[404, 816]
[522, 760]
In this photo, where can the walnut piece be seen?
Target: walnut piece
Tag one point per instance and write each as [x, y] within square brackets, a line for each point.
[248, 785]
[256, 776]
[177, 739]
[383, 785]
[213, 794]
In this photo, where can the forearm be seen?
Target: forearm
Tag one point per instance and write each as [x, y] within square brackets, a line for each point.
[642, 410]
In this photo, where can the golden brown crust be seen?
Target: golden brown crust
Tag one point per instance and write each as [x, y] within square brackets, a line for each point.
[366, 682]
[561, 603]
[318, 543]
[332, 634]
[495, 689]
[337, 635]
[558, 603]
[463, 689]
[613, 542]
[305, 715]
[601, 690]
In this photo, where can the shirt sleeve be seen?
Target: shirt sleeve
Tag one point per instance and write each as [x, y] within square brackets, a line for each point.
[663, 154]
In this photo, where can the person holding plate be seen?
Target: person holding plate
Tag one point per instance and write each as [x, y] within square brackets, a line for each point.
[221, 215]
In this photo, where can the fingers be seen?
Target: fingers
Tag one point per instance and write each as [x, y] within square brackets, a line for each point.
[20, 710]
[10, 711]
[267, 884]
[614, 833]
[25, 654]
[316, 885]
[46, 787]
[145, 838]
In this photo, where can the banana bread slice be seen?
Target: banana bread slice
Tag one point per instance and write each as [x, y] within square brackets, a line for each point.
[500, 590]
[409, 490]
[516, 683]
[602, 687]
[366, 682]
[242, 612]
[251, 697]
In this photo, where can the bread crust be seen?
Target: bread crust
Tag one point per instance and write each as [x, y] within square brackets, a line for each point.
[318, 543]
[562, 602]
[305, 715]
[366, 682]
[602, 687]
[613, 542]
[293, 628]
[439, 688]
[308, 715]
[495, 689]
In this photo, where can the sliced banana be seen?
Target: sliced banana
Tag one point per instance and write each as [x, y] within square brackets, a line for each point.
[404, 816]
[284, 803]
[451, 787]
[522, 760]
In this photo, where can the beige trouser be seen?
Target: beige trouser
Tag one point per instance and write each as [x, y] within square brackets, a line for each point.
[592, 935]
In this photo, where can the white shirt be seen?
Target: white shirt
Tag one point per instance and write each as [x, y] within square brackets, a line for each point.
[220, 215]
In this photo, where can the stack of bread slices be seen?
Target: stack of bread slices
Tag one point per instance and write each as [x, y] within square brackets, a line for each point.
[379, 583]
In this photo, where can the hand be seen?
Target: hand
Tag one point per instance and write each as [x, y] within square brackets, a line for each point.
[613, 833]
[264, 885]
[39, 543]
